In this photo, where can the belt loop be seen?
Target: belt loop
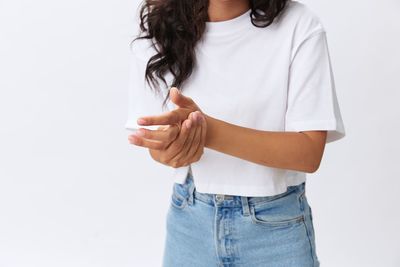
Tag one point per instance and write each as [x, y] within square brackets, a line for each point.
[191, 192]
[245, 206]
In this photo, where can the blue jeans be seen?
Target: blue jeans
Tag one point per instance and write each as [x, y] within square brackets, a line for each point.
[207, 230]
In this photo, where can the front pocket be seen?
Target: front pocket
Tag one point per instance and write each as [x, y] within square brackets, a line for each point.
[281, 212]
[266, 220]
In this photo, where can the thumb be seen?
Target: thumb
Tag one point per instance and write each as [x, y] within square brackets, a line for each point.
[179, 99]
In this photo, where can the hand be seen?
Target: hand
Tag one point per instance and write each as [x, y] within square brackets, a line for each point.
[184, 104]
[162, 137]
[188, 147]
[178, 144]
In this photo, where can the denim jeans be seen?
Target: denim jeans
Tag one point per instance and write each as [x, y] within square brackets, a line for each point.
[207, 230]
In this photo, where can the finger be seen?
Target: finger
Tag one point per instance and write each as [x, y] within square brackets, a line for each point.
[179, 99]
[176, 129]
[162, 127]
[182, 157]
[163, 134]
[200, 148]
[169, 117]
[193, 147]
[175, 148]
[140, 141]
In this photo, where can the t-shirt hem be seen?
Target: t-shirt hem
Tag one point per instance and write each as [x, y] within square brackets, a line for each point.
[242, 190]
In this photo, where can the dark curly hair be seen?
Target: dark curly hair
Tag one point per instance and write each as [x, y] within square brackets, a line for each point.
[175, 26]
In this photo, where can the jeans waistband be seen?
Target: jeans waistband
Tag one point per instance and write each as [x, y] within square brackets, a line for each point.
[231, 200]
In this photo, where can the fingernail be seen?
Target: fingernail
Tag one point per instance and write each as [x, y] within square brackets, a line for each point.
[187, 124]
[194, 116]
[141, 121]
[139, 132]
[132, 139]
[177, 90]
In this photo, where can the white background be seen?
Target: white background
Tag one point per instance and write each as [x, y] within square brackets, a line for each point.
[74, 192]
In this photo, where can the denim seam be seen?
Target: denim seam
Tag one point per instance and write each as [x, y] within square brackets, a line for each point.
[302, 200]
[289, 222]
[216, 236]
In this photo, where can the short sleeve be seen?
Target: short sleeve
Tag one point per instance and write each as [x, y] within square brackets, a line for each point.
[142, 100]
[312, 101]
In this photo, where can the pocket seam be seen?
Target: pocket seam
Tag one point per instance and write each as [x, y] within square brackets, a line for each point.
[288, 222]
[312, 248]
[309, 227]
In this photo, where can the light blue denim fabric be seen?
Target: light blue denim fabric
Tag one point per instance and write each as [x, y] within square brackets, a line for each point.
[210, 230]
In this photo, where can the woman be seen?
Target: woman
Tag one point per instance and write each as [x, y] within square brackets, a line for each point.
[251, 107]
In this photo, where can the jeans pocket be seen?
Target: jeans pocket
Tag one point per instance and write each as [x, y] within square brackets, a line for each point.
[284, 211]
[179, 196]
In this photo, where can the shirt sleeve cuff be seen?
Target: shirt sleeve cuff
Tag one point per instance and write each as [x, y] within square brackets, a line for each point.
[335, 130]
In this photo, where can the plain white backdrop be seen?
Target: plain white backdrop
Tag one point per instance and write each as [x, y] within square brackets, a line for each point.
[74, 192]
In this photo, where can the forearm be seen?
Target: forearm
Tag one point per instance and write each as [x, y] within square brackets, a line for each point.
[286, 150]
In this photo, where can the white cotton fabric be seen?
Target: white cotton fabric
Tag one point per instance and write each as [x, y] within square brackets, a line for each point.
[277, 78]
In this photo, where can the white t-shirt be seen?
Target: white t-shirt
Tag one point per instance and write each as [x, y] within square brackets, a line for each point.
[277, 78]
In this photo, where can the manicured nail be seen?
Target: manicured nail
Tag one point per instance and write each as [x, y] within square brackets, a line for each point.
[133, 139]
[141, 121]
[139, 132]
[188, 124]
[194, 116]
[176, 89]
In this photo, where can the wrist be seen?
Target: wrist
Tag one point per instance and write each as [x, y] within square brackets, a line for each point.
[209, 123]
